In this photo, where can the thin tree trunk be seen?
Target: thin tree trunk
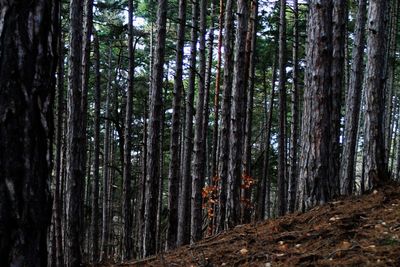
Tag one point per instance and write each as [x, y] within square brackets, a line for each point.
[353, 102]
[127, 177]
[96, 156]
[282, 200]
[198, 170]
[75, 147]
[153, 152]
[339, 21]
[295, 113]
[225, 115]
[214, 163]
[106, 154]
[184, 201]
[174, 171]
[27, 85]
[251, 36]
[237, 117]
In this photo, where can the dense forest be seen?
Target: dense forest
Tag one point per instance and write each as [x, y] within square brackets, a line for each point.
[133, 127]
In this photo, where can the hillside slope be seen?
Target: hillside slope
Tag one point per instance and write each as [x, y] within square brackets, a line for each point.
[356, 231]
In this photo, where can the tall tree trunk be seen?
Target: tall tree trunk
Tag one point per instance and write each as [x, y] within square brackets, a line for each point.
[225, 115]
[295, 113]
[28, 41]
[314, 181]
[214, 163]
[353, 102]
[375, 163]
[153, 152]
[282, 200]
[106, 155]
[264, 195]
[75, 147]
[339, 21]
[184, 201]
[96, 156]
[251, 36]
[198, 155]
[237, 117]
[127, 177]
[174, 172]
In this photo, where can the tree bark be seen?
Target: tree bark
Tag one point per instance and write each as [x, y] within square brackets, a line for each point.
[185, 196]
[294, 138]
[239, 89]
[127, 177]
[353, 102]
[106, 157]
[225, 115]
[174, 172]
[339, 21]
[375, 164]
[198, 153]
[282, 112]
[75, 136]
[314, 182]
[153, 153]
[28, 41]
[96, 156]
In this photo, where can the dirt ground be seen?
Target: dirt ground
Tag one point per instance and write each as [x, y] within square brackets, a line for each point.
[357, 231]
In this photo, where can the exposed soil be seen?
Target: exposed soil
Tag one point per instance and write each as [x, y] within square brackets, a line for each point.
[356, 231]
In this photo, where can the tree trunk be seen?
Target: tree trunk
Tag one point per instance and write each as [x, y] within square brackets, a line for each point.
[106, 155]
[184, 201]
[174, 171]
[225, 115]
[96, 156]
[214, 163]
[295, 113]
[75, 136]
[314, 181]
[153, 152]
[375, 163]
[353, 102]
[28, 41]
[282, 200]
[237, 117]
[127, 194]
[339, 21]
[251, 36]
[198, 153]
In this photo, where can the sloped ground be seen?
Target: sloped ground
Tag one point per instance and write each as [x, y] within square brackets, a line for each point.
[357, 231]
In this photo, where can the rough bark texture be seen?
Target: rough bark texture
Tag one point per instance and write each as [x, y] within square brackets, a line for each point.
[96, 156]
[198, 170]
[294, 133]
[314, 185]
[106, 157]
[225, 114]
[239, 90]
[174, 173]
[127, 177]
[353, 102]
[247, 168]
[153, 153]
[375, 163]
[28, 44]
[339, 20]
[282, 112]
[214, 163]
[186, 185]
[75, 139]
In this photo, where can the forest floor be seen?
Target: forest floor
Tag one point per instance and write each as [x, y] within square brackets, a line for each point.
[354, 231]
